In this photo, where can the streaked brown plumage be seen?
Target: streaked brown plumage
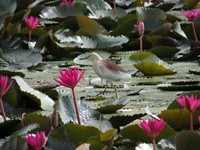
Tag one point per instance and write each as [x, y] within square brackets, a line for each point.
[108, 70]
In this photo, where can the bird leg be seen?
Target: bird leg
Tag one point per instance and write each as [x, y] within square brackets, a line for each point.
[103, 90]
[115, 87]
[116, 94]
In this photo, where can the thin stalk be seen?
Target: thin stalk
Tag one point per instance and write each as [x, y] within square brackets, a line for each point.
[194, 31]
[114, 7]
[29, 35]
[76, 106]
[2, 109]
[191, 121]
[141, 44]
[154, 144]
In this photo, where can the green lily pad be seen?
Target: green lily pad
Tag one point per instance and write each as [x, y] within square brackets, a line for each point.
[150, 64]
[15, 143]
[112, 106]
[8, 127]
[88, 116]
[186, 140]
[180, 119]
[124, 120]
[40, 99]
[164, 51]
[70, 136]
[195, 71]
[179, 87]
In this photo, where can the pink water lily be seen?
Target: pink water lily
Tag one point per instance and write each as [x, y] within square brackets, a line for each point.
[67, 3]
[36, 142]
[153, 128]
[31, 22]
[140, 27]
[69, 78]
[191, 103]
[191, 14]
[4, 87]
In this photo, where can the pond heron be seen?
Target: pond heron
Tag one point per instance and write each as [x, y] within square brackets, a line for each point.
[108, 70]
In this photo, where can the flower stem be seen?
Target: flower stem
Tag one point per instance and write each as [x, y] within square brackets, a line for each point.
[29, 35]
[114, 7]
[195, 35]
[76, 107]
[154, 144]
[191, 121]
[2, 109]
[141, 44]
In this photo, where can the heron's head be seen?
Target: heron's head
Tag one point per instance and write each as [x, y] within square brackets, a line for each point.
[94, 57]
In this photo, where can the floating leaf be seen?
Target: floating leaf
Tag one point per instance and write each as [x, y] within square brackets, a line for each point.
[164, 51]
[90, 26]
[178, 30]
[98, 41]
[180, 119]
[195, 71]
[70, 136]
[149, 64]
[113, 105]
[40, 99]
[62, 11]
[26, 129]
[8, 127]
[124, 119]
[88, 116]
[176, 87]
[7, 9]
[16, 57]
[186, 140]
[44, 122]
[15, 143]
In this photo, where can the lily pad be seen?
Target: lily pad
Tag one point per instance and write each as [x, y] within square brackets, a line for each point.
[40, 99]
[164, 51]
[180, 119]
[113, 105]
[150, 64]
[70, 136]
[88, 116]
[186, 140]
[179, 87]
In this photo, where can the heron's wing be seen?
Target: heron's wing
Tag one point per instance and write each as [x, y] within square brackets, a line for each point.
[111, 71]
